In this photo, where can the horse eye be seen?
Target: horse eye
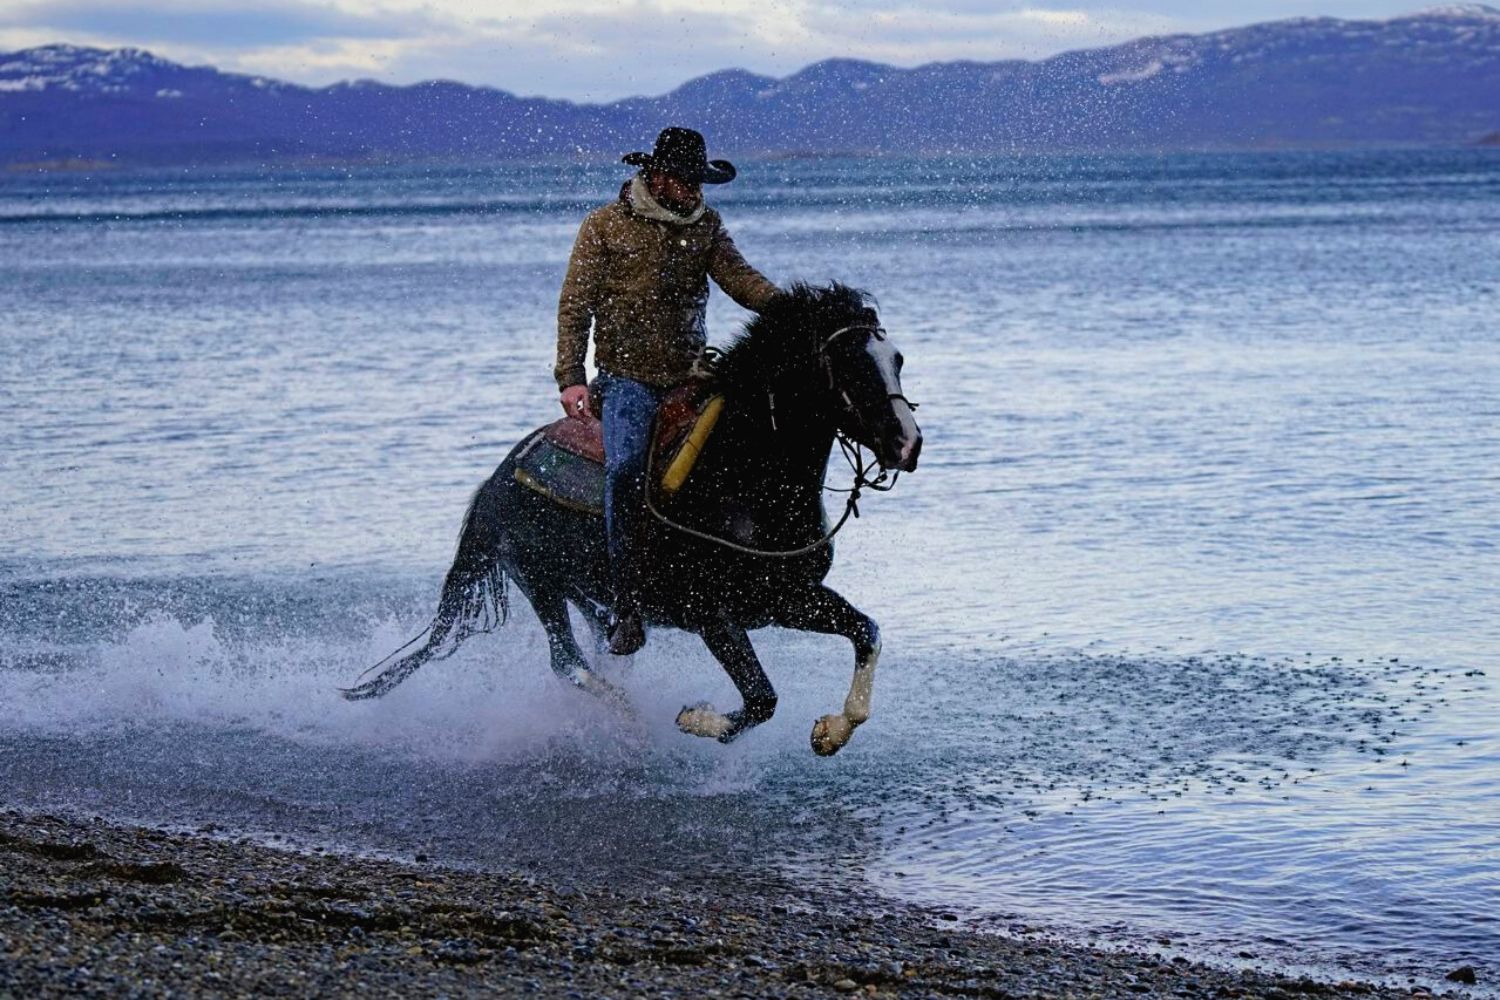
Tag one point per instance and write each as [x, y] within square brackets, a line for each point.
[900, 360]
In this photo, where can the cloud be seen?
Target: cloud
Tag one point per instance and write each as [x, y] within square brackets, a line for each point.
[225, 26]
[578, 50]
[908, 34]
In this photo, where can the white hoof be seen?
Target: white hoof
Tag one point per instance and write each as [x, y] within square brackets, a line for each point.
[830, 733]
[702, 720]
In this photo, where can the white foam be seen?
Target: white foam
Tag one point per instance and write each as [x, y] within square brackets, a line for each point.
[494, 698]
[486, 697]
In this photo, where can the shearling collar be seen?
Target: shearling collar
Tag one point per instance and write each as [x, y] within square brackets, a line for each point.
[638, 196]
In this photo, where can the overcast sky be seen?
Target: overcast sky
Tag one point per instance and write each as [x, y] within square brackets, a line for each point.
[594, 50]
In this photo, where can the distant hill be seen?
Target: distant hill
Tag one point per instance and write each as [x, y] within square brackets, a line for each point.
[1427, 78]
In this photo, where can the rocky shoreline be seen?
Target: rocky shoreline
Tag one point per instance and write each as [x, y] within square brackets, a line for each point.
[89, 908]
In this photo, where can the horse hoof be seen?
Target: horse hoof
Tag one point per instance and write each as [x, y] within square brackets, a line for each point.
[702, 720]
[829, 734]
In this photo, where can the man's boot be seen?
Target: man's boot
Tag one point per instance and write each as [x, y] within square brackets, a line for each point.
[626, 635]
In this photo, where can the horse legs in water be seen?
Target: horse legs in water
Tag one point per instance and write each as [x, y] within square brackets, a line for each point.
[731, 647]
[567, 659]
[823, 610]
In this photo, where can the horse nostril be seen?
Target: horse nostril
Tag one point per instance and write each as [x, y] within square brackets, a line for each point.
[912, 453]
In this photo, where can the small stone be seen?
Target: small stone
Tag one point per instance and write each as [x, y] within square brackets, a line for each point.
[1463, 974]
[846, 986]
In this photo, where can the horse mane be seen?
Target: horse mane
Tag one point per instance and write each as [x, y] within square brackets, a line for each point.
[785, 335]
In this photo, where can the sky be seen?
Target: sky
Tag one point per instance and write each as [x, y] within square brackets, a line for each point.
[596, 50]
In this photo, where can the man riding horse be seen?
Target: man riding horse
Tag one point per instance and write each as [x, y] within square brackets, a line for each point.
[639, 275]
[740, 539]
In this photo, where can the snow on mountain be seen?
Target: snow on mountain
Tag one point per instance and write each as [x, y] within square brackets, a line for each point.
[1456, 11]
[78, 69]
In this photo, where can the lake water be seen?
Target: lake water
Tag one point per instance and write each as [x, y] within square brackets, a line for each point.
[1192, 611]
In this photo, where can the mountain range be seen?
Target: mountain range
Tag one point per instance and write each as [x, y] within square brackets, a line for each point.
[1429, 78]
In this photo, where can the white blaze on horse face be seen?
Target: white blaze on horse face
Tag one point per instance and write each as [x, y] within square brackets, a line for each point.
[883, 353]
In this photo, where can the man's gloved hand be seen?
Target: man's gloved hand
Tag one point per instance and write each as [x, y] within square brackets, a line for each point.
[575, 402]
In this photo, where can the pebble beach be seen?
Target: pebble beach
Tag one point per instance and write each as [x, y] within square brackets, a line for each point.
[89, 908]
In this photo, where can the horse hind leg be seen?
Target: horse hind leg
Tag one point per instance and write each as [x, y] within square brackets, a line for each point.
[731, 646]
[566, 658]
[825, 611]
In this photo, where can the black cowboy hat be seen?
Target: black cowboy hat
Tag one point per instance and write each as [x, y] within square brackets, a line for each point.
[682, 153]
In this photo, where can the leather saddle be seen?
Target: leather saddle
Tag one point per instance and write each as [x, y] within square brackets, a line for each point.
[564, 461]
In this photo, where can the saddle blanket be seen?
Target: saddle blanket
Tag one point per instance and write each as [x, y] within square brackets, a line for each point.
[564, 461]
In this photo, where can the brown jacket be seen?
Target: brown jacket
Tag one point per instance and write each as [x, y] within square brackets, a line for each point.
[640, 274]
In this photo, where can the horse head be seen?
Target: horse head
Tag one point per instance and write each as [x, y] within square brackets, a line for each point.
[857, 369]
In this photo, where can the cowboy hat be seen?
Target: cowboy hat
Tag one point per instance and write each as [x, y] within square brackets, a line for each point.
[682, 153]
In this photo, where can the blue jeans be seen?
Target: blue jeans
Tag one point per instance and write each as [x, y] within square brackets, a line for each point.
[629, 416]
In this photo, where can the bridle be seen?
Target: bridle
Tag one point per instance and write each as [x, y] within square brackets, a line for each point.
[853, 452]
[876, 332]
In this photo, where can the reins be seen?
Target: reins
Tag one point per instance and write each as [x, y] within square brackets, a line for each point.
[853, 453]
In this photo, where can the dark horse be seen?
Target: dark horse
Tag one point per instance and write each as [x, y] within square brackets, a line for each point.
[743, 544]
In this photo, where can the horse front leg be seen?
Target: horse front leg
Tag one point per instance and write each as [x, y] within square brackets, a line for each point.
[823, 610]
[730, 645]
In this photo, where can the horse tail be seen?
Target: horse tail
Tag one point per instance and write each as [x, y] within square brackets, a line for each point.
[474, 600]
